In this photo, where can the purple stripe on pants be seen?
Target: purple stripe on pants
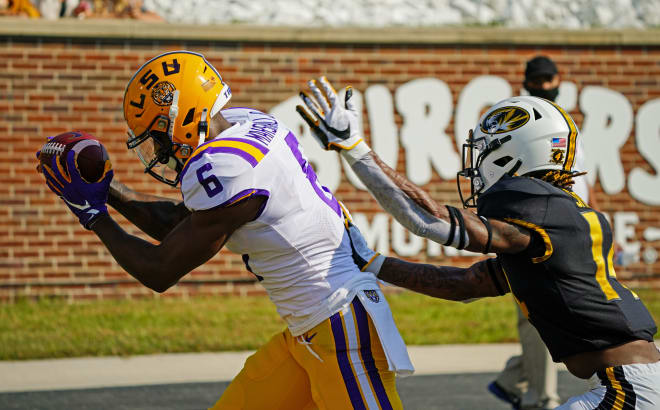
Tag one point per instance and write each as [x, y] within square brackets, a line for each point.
[344, 363]
[367, 357]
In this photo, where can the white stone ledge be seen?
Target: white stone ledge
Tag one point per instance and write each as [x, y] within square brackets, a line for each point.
[133, 30]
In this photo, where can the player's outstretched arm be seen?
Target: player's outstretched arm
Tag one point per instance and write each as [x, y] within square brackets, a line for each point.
[418, 212]
[484, 278]
[154, 215]
[191, 243]
[334, 124]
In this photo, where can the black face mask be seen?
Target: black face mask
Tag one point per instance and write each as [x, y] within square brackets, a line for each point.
[550, 94]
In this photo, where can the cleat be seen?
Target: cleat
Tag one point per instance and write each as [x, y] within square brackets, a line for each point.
[499, 392]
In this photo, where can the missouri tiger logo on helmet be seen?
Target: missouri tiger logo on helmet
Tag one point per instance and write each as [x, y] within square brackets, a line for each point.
[504, 120]
[167, 105]
[517, 136]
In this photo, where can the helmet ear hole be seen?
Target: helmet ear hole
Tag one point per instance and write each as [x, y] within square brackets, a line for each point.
[501, 162]
[189, 117]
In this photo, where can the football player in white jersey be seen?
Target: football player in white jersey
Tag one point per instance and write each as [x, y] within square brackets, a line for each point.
[246, 184]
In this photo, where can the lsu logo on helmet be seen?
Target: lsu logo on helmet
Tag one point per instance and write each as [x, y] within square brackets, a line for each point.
[167, 105]
[163, 93]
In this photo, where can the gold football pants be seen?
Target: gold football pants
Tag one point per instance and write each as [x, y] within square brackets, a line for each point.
[339, 364]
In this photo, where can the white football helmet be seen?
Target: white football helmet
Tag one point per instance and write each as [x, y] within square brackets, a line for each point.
[519, 135]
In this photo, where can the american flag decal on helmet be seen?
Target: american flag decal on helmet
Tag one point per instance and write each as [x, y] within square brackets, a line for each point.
[372, 295]
[559, 143]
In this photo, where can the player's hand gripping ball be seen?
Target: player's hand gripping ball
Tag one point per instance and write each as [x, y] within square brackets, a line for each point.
[91, 156]
[77, 168]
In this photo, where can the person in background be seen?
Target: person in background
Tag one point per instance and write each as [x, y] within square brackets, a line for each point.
[529, 380]
[55, 9]
[83, 10]
[121, 9]
[19, 8]
[135, 9]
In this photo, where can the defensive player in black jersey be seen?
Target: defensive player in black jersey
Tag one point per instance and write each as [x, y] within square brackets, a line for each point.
[553, 251]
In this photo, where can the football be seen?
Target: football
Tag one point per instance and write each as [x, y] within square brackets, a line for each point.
[91, 155]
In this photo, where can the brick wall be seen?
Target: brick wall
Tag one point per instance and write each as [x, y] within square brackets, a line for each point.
[50, 85]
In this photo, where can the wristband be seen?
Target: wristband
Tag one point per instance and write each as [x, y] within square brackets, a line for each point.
[490, 234]
[90, 225]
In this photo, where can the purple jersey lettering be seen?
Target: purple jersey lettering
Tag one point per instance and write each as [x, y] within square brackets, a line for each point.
[321, 191]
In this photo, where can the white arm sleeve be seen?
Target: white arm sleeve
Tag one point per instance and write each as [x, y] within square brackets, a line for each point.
[405, 210]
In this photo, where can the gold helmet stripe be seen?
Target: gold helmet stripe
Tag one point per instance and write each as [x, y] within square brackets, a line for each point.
[243, 149]
[572, 138]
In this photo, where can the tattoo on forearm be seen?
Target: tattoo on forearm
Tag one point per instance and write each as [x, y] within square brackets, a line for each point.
[509, 238]
[121, 193]
[445, 282]
[154, 215]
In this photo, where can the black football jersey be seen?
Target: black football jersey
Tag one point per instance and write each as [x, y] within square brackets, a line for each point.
[565, 281]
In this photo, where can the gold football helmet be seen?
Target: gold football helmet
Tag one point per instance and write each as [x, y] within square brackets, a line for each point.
[167, 105]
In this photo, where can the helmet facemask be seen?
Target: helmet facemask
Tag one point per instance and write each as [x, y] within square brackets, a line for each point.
[476, 153]
[156, 149]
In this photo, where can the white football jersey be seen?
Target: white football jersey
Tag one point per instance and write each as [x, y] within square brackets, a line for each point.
[297, 246]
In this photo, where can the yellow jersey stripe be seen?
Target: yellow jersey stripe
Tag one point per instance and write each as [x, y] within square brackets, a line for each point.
[578, 201]
[597, 253]
[244, 147]
[572, 138]
[521, 304]
[242, 197]
[546, 238]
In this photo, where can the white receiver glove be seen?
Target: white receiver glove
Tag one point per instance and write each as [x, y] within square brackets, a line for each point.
[334, 123]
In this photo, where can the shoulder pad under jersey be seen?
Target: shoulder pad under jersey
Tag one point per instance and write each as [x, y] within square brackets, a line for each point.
[519, 198]
[220, 174]
[527, 185]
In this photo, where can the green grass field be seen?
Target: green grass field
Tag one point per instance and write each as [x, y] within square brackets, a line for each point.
[54, 328]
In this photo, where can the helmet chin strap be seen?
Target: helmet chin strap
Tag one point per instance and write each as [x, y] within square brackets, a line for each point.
[174, 111]
[173, 163]
[203, 127]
